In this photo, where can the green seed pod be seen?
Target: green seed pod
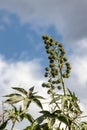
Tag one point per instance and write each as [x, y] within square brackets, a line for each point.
[60, 45]
[64, 75]
[43, 85]
[50, 80]
[68, 71]
[51, 39]
[56, 72]
[48, 51]
[52, 64]
[47, 68]
[56, 43]
[47, 47]
[68, 64]
[53, 82]
[52, 87]
[59, 87]
[67, 76]
[49, 91]
[50, 57]
[46, 75]
[53, 75]
[58, 81]
[65, 59]
[52, 43]
[45, 37]
[51, 61]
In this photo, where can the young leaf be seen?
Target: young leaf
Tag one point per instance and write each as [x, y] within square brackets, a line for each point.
[29, 117]
[21, 90]
[38, 103]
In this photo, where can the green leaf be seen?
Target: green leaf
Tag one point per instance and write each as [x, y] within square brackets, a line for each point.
[3, 125]
[22, 90]
[14, 99]
[29, 117]
[13, 94]
[40, 97]
[63, 119]
[45, 126]
[38, 103]
[31, 89]
[26, 103]
[40, 119]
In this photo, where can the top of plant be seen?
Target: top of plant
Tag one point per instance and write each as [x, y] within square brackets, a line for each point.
[59, 68]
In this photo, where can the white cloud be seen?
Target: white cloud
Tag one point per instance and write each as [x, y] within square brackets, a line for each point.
[70, 17]
[21, 73]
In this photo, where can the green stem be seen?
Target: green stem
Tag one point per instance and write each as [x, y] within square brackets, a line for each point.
[64, 88]
[13, 126]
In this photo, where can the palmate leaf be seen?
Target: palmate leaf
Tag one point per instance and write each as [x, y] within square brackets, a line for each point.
[35, 100]
[21, 90]
[14, 99]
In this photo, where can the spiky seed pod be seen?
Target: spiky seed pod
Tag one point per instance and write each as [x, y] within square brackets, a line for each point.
[46, 75]
[52, 64]
[53, 82]
[47, 47]
[59, 87]
[69, 67]
[60, 45]
[45, 37]
[56, 72]
[51, 61]
[52, 43]
[67, 76]
[52, 52]
[50, 57]
[61, 60]
[64, 75]
[43, 85]
[47, 85]
[47, 68]
[48, 51]
[65, 59]
[63, 52]
[52, 87]
[58, 81]
[67, 64]
[48, 42]
[56, 43]
[53, 75]
[50, 80]
[61, 49]
[49, 91]
[68, 71]
[51, 39]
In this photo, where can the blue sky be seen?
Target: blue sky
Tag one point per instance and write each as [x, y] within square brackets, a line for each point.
[22, 53]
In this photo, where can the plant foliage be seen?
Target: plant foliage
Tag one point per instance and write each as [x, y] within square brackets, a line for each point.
[64, 112]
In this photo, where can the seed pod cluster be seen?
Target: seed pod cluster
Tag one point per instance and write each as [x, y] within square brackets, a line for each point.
[57, 62]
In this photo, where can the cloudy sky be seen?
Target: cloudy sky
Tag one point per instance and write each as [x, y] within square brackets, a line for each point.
[22, 53]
